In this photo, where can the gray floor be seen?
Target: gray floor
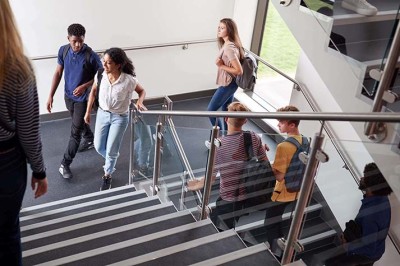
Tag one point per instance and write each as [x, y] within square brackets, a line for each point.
[87, 166]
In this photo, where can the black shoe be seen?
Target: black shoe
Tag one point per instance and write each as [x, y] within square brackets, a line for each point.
[65, 171]
[85, 145]
[106, 182]
[145, 171]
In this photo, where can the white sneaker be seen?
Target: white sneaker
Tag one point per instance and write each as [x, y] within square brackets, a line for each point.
[362, 7]
[208, 144]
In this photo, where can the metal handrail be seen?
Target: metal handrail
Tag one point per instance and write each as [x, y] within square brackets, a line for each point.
[323, 116]
[271, 66]
[328, 129]
[139, 47]
[386, 79]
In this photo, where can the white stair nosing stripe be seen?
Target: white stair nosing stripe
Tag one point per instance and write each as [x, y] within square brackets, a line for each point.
[194, 209]
[124, 244]
[93, 222]
[77, 206]
[233, 255]
[80, 198]
[108, 232]
[174, 249]
[88, 213]
[314, 238]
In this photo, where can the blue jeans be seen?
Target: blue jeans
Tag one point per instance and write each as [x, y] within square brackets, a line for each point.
[143, 143]
[109, 131]
[221, 99]
[13, 178]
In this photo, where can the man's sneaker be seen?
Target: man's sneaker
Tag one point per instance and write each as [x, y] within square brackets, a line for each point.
[65, 171]
[106, 182]
[362, 7]
[85, 145]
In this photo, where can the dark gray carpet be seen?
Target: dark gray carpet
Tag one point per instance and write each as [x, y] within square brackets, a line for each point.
[87, 166]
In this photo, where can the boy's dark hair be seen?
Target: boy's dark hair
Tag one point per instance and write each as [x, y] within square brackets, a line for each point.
[76, 30]
[290, 108]
[374, 181]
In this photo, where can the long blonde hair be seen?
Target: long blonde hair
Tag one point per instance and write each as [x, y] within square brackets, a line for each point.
[233, 35]
[11, 46]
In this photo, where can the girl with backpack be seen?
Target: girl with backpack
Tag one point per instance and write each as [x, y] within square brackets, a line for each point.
[228, 63]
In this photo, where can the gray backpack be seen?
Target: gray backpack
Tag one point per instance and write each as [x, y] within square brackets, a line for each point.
[247, 80]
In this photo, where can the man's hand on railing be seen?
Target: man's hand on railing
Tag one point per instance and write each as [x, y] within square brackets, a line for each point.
[195, 184]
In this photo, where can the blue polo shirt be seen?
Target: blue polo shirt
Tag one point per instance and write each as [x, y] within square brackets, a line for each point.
[76, 72]
[374, 217]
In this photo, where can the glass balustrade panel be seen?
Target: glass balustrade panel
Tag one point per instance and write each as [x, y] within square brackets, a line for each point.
[360, 31]
[336, 198]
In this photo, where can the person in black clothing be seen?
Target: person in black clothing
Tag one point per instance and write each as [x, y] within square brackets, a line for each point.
[80, 64]
[19, 136]
[363, 240]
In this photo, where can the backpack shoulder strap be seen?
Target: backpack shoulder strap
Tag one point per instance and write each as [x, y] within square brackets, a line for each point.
[88, 54]
[99, 76]
[294, 141]
[65, 51]
[248, 144]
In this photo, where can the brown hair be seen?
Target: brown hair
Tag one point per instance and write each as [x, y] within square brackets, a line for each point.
[233, 35]
[11, 46]
[290, 108]
[237, 107]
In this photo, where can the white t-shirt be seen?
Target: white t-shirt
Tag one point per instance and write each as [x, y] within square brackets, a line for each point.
[116, 97]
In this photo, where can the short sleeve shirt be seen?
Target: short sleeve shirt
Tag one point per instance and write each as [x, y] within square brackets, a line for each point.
[230, 161]
[117, 96]
[228, 53]
[75, 71]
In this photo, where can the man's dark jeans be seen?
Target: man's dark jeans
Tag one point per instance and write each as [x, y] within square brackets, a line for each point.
[13, 176]
[77, 111]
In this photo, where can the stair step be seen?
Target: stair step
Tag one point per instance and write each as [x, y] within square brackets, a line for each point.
[190, 252]
[51, 222]
[139, 246]
[79, 200]
[103, 236]
[78, 208]
[96, 225]
[254, 255]
[259, 222]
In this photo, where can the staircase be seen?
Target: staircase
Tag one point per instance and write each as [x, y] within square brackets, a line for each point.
[123, 226]
[319, 231]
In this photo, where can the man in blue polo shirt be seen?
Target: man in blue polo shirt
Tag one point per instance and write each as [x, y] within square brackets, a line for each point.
[80, 64]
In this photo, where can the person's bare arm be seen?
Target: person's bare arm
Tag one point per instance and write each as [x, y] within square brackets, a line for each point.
[54, 85]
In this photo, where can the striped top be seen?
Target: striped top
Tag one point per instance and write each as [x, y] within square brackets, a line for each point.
[20, 113]
[230, 162]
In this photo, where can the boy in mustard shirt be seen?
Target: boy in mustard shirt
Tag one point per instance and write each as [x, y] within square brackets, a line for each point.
[281, 197]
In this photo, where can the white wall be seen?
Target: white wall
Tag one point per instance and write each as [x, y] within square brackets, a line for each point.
[124, 23]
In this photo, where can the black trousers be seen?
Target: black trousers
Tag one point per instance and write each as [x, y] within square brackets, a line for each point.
[273, 220]
[77, 111]
[226, 212]
[13, 179]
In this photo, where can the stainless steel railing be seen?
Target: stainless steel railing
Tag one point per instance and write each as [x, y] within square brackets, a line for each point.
[184, 45]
